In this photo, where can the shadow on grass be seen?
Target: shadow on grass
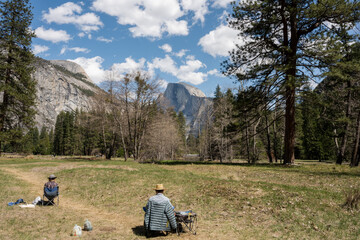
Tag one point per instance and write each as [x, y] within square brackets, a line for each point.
[283, 167]
[139, 231]
[275, 165]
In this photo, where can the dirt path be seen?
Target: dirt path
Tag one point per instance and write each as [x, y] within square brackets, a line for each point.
[124, 224]
[120, 224]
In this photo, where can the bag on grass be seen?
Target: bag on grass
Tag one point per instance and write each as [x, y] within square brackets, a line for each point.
[76, 231]
[87, 225]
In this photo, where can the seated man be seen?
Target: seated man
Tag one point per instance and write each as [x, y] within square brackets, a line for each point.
[51, 188]
[159, 212]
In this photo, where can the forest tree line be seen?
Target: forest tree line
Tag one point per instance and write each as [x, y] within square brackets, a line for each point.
[128, 121]
[275, 113]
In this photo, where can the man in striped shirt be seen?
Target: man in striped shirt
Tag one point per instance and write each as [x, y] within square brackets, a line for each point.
[159, 215]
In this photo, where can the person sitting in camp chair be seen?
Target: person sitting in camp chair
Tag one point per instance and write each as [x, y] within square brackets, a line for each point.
[51, 191]
[159, 213]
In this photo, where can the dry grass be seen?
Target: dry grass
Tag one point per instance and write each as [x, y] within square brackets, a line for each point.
[232, 201]
[352, 199]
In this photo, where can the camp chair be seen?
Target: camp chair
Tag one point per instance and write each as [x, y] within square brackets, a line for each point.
[186, 219]
[49, 196]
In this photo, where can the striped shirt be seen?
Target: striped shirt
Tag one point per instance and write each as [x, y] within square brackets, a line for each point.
[159, 214]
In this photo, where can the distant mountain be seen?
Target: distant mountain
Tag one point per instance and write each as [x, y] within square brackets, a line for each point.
[64, 86]
[191, 101]
[61, 86]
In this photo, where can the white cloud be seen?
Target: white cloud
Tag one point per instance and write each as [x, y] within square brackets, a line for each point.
[221, 3]
[52, 35]
[39, 49]
[177, 27]
[102, 39]
[188, 72]
[70, 13]
[81, 34]
[146, 18]
[215, 72]
[93, 67]
[129, 66]
[163, 83]
[220, 41]
[181, 53]
[166, 47]
[199, 7]
[74, 49]
[63, 50]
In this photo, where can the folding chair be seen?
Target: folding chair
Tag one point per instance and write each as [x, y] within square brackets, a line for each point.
[186, 219]
[50, 194]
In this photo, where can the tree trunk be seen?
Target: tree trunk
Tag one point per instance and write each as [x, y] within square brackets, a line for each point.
[341, 153]
[289, 138]
[275, 137]
[247, 143]
[268, 147]
[356, 145]
[255, 155]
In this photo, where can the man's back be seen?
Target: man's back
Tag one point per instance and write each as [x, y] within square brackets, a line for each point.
[159, 214]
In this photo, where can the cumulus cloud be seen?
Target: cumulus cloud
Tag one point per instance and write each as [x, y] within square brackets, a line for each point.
[199, 7]
[188, 72]
[162, 83]
[70, 13]
[102, 39]
[39, 49]
[221, 3]
[215, 72]
[181, 53]
[51, 35]
[93, 67]
[220, 41]
[166, 47]
[146, 18]
[191, 71]
[129, 66]
[81, 34]
[74, 49]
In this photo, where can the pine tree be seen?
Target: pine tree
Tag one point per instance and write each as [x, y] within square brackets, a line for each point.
[44, 142]
[17, 87]
[58, 135]
[35, 140]
[284, 42]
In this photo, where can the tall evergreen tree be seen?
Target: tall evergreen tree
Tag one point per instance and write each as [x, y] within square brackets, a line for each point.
[17, 87]
[284, 42]
[58, 135]
[182, 126]
[44, 142]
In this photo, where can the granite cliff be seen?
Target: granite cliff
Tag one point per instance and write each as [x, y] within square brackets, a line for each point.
[65, 86]
[189, 100]
[61, 86]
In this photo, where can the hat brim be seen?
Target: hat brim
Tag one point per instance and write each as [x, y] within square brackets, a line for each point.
[156, 189]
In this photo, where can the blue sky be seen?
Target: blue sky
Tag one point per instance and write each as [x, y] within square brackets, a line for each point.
[173, 40]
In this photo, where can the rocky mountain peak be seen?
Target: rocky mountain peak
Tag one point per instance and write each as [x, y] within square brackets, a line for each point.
[190, 100]
[61, 86]
[71, 66]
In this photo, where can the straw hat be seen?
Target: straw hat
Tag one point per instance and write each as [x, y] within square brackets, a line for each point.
[159, 187]
[52, 176]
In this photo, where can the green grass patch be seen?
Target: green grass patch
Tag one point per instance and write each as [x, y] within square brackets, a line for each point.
[233, 201]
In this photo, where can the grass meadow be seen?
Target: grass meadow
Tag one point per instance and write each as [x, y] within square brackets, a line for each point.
[233, 201]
